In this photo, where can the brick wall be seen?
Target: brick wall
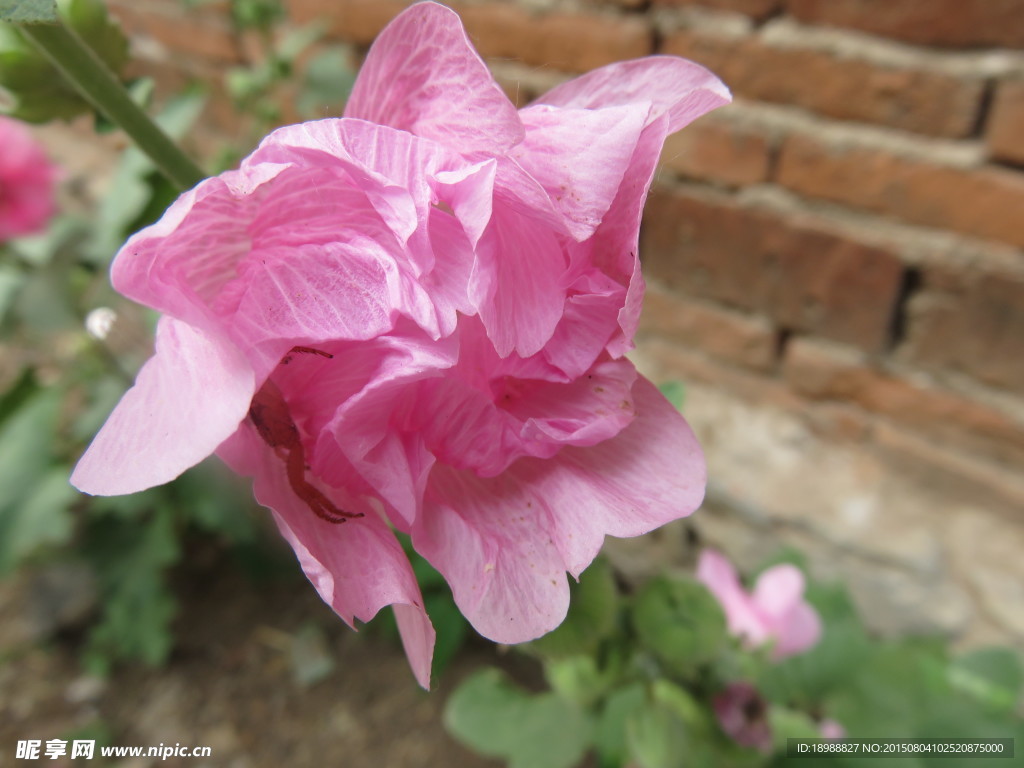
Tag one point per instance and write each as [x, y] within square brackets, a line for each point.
[835, 265]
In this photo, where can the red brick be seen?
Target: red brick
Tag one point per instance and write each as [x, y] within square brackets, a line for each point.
[795, 271]
[357, 21]
[206, 33]
[1005, 134]
[718, 150]
[502, 31]
[985, 202]
[758, 9]
[568, 42]
[665, 361]
[579, 43]
[918, 100]
[731, 336]
[957, 23]
[826, 372]
[971, 322]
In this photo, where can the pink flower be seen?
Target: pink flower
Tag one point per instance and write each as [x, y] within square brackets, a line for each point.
[830, 729]
[414, 318]
[27, 181]
[743, 715]
[775, 612]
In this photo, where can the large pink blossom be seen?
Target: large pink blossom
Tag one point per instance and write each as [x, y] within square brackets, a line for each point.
[27, 180]
[414, 318]
[775, 612]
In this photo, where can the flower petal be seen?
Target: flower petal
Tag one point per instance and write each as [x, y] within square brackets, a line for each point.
[357, 567]
[580, 157]
[716, 573]
[504, 543]
[650, 473]
[517, 283]
[779, 597]
[676, 87]
[423, 76]
[490, 539]
[189, 397]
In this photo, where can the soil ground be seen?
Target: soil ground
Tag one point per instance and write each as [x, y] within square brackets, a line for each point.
[232, 684]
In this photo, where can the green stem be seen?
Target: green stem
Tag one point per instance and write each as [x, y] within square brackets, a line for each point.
[87, 72]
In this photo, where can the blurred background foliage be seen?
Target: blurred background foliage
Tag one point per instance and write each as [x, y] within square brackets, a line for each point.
[630, 678]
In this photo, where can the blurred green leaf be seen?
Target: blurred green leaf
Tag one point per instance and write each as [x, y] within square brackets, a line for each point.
[11, 281]
[28, 11]
[610, 736]
[24, 387]
[593, 608]
[26, 483]
[577, 678]
[680, 622]
[39, 92]
[991, 675]
[131, 561]
[675, 393]
[329, 78]
[809, 677]
[657, 738]
[450, 625]
[497, 719]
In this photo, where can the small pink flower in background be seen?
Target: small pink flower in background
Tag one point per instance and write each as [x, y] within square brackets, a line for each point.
[830, 729]
[414, 318]
[775, 612]
[743, 715]
[27, 180]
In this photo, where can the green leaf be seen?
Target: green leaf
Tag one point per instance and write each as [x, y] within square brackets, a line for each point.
[593, 608]
[42, 517]
[39, 92]
[130, 557]
[680, 622]
[610, 738]
[577, 678]
[28, 11]
[832, 665]
[104, 36]
[24, 463]
[11, 281]
[657, 738]
[991, 675]
[790, 724]
[329, 78]
[450, 625]
[495, 718]
[675, 393]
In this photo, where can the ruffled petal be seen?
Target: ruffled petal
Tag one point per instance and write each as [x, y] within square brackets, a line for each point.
[491, 541]
[189, 397]
[357, 567]
[180, 264]
[650, 473]
[580, 157]
[423, 76]
[517, 284]
[504, 543]
[675, 87]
